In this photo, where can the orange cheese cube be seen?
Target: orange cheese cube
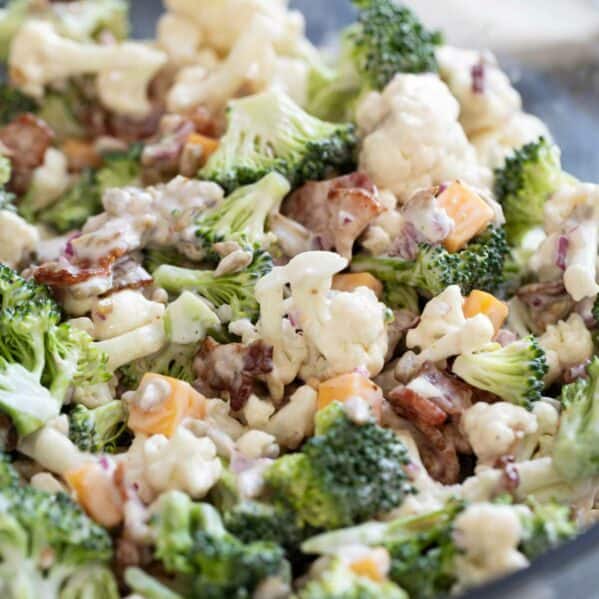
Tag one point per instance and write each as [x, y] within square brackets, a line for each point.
[176, 401]
[208, 144]
[367, 567]
[470, 213]
[344, 386]
[81, 154]
[350, 281]
[97, 493]
[481, 302]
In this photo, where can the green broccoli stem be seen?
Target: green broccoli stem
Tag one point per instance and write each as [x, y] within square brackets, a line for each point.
[148, 587]
[576, 447]
[235, 290]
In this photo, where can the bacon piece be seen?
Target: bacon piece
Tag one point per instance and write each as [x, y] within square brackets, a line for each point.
[510, 475]
[161, 156]
[26, 139]
[547, 303]
[65, 273]
[337, 211]
[416, 408]
[233, 369]
[403, 321]
[436, 419]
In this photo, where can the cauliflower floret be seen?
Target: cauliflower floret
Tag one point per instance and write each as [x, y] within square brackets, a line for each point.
[572, 228]
[485, 93]
[40, 56]
[566, 344]
[252, 66]
[184, 462]
[314, 340]
[412, 137]
[494, 430]
[295, 420]
[540, 443]
[182, 40]
[49, 181]
[257, 444]
[444, 331]
[493, 146]
[17, 239]
[222, 22]
[489, 535]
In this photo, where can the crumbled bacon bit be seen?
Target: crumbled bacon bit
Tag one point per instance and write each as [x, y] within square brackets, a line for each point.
[510, 476]
[64, 273]
[336, 211]
[26, 139]
[477, 73]
[233, 369]
[547, 303]
[436, 421]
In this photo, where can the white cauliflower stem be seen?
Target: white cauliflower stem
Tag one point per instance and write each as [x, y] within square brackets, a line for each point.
[412, 137]
[40, 56]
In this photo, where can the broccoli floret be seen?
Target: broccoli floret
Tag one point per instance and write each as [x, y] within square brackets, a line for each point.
[386, 39]
[389, 39]
[11, 19]
[5, 169]
[192, 542]
[421, 548]
[268, 132]
[58, 111]
[338, 581]
[47, 543]
[345, 474]
[6, 198]
[235, 290]
[479, 265]
[241, 217]
[81, 20]
[576, 448]
[84, 199]
[73, 208]
[548, 525]
[252, 521]
[155, 257]
[39, 358]
[93, 582]
[98, 429]
[523, 185]
[514, 372]
[174, 360]
[13, 103]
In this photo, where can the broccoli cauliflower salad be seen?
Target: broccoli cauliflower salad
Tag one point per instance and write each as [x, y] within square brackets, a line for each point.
[277, 325]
